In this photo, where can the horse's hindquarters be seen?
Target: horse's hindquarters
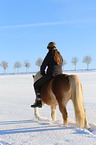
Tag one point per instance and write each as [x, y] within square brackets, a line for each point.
[47, 95]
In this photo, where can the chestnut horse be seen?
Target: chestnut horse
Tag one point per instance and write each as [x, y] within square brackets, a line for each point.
[59, 91]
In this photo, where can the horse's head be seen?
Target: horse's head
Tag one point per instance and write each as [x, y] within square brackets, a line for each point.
[37, 76]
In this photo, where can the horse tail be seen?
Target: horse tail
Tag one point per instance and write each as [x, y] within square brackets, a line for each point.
[77, 99]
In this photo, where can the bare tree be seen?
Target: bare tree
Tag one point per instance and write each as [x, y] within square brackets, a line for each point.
[4, 64]
[87, 60]
[17, 65]
[74, 61]
[64, 63]
[39, 62]
[27, 65]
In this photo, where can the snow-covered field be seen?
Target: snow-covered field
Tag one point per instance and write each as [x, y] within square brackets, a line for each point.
[18, 125]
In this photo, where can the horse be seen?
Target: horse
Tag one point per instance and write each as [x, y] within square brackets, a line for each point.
[59, 91]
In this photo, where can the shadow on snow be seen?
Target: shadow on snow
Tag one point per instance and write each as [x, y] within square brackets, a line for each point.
[45, 126]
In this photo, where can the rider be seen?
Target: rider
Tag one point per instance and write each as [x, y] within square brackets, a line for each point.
[53, 61]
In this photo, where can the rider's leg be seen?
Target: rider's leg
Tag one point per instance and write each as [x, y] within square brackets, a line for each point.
[37, 86]
[38, 102]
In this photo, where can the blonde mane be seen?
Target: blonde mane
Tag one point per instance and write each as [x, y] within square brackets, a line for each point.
[37, 76]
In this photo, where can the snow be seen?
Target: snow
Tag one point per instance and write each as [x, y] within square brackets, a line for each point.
[18, 125]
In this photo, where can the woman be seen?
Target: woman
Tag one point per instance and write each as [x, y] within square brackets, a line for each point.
[53, 61]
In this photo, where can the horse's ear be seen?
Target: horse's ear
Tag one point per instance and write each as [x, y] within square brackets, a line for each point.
[33, 76]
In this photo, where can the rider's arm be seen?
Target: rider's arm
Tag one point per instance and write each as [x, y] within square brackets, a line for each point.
[45, 63]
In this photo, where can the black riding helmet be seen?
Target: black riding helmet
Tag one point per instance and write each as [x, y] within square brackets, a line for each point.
[51, 45]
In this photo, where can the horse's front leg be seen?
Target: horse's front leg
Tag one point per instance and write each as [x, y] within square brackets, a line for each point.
[53, 112]
[37, 116]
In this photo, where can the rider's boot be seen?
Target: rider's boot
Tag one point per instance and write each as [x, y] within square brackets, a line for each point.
[38, 102]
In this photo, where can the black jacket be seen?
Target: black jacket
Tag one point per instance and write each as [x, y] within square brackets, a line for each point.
[53, 68]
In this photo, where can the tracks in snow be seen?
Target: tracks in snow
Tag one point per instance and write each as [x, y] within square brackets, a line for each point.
[46, 121]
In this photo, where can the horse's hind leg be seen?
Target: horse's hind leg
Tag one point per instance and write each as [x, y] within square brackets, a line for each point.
[53, 112]
[64, 113]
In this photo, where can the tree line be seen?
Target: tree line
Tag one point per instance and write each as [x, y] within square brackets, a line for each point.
[86, 59]
[17, 64]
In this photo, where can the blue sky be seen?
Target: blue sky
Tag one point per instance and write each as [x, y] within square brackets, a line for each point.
[27, 26]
